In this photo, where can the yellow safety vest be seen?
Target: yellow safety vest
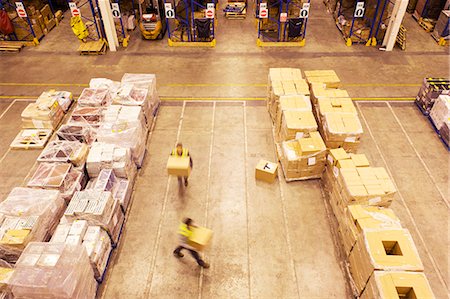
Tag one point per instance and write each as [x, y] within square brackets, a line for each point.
[184, 153]
[184, 231]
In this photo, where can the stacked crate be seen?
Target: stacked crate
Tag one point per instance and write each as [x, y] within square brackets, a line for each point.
[430, 90]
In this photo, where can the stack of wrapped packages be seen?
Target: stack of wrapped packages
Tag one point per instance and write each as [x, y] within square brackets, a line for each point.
[53, 270]
[430, 90]
[94, 239]
[338, 120]
[440, 116]
[382, 256]
[300, 147]
[27, 215]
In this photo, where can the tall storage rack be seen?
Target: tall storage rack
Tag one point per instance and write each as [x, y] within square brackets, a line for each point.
[93, 17]
[282, 22]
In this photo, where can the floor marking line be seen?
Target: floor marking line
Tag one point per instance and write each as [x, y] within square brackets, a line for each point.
[7, 109]
[381, 84]
[4, 155]
[211, 146]
[420, 157]
[43, 84]
[148, 286]
[249, 264]
[214, 84]
[211, 99]
[402, 199]
[285, 219]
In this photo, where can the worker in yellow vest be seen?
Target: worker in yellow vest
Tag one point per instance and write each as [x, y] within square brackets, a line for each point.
[185, 232]
[182, 152]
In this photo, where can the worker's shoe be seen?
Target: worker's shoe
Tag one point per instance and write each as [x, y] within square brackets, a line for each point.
[185, 182]
[178, 254]
[204, 265]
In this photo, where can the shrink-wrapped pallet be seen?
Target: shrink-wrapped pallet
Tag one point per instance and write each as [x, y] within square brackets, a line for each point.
[27, 215]
[341, 130]
[444, 132]
[6, 271]
[94, 239]
[430, 90]
[53, 270]
[43, 115]
[65, 151]
[64, 98]
[99, 209]
[91, 116]
[110, 156]
[95, 97]
[77, 132]
[58, 176]
[440, 113]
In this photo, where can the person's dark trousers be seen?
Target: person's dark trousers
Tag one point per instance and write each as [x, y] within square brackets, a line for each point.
[193, 253]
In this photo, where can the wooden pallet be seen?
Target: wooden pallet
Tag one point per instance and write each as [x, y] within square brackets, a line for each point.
[93, 48]
[428, 26]
[236, 15]
[11, 47]
[31, 139]
[401, 38]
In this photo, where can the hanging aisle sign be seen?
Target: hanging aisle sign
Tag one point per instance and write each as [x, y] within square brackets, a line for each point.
[263, 12]
[210, 11]
[304, 12]
[359, 10]
[21, 12]
[74, 9]
[170, 13]
[115, 10]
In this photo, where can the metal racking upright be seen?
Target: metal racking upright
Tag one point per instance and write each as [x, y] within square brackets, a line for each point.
[94, 18]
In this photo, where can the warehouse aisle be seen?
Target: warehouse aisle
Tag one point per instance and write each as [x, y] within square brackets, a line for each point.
[266, 236]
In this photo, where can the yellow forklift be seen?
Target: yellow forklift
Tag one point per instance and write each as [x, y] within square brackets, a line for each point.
[152, 21]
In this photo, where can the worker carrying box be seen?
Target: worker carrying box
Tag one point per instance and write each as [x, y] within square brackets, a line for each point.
[193, 238]
[180, 164]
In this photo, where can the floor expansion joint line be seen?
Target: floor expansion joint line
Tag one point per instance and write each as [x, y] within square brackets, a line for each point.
[420, 158]
[7, 109]
[148, 286]
[249, 265]
[433, 262]
[285, 219]
[211, 146]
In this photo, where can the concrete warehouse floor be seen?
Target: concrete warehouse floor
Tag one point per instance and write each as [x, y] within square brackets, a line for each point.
[270, 240]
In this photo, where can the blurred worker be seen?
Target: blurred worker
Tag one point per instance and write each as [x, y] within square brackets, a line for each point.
[182, 152]
[185, 232]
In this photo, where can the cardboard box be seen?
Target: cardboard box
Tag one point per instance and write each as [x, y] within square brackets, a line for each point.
[398, 284]
[328, 78]
[342, 105]
[296, 124]
[360, 160]
[336, 155]
[200, 238]
[179, 166]
[341, 130]
[382, 250]
[266, 171]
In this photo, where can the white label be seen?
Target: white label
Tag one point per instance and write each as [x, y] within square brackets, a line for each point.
[359, 10]
[283, 17]
[210, 5]
[299, 135]
[312, 161]
[304, 12]
[74, 9]
[350, 139]
[263, 12]
[210, 11]
[115, 10]
[330, 159]
[335, 171]
[21, 12]
[170, 13]
[374, 201]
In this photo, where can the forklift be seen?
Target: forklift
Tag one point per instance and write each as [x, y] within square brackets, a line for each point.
[152, 21]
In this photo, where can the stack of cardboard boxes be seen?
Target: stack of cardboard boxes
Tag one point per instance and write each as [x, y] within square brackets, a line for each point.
[430, 90]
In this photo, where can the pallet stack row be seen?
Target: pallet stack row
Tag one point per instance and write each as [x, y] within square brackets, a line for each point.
[433, 100]
[382, 257]
[58, 231]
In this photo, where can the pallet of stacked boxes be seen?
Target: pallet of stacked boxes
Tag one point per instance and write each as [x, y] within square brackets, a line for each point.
[341, 130]
[65, 151]
[64, 98]
[82, 132]
[302, 158]
[295, 124]
[94, 239]
[6, 271]
[324, 84]
[397, 284]
[46, 114]
[333, 105]
[53, 270]
[27, 215]
[284, 81]
[430, 90]
[444, 132]
[98, 208]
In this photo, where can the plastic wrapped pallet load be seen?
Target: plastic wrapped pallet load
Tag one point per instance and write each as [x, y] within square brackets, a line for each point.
[397, 284]
[94, 97]
[53, 270]
[284, 81]
[27, 215]
[44, 115]
[99, 209]
[65, 151]
[64, 98]
[94, 239]
[91, 116]
[430, 90]
[440, 113]
[83, 133]
[303, 158]
[341, 130]
[388, 250]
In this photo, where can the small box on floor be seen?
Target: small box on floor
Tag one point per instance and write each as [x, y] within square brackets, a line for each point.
[200, 237]
[266, 171]
[179, 166]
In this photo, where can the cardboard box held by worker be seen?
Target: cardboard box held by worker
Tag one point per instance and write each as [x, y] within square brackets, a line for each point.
[200, 237]
[179, 166]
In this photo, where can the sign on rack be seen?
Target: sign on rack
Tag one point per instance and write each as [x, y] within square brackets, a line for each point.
[210, 11]
[74, 9]
[115, 10]
[283, 17]
[170, 13]
[263, 12]
[21, 12]
[304, 12]
[359, 10]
